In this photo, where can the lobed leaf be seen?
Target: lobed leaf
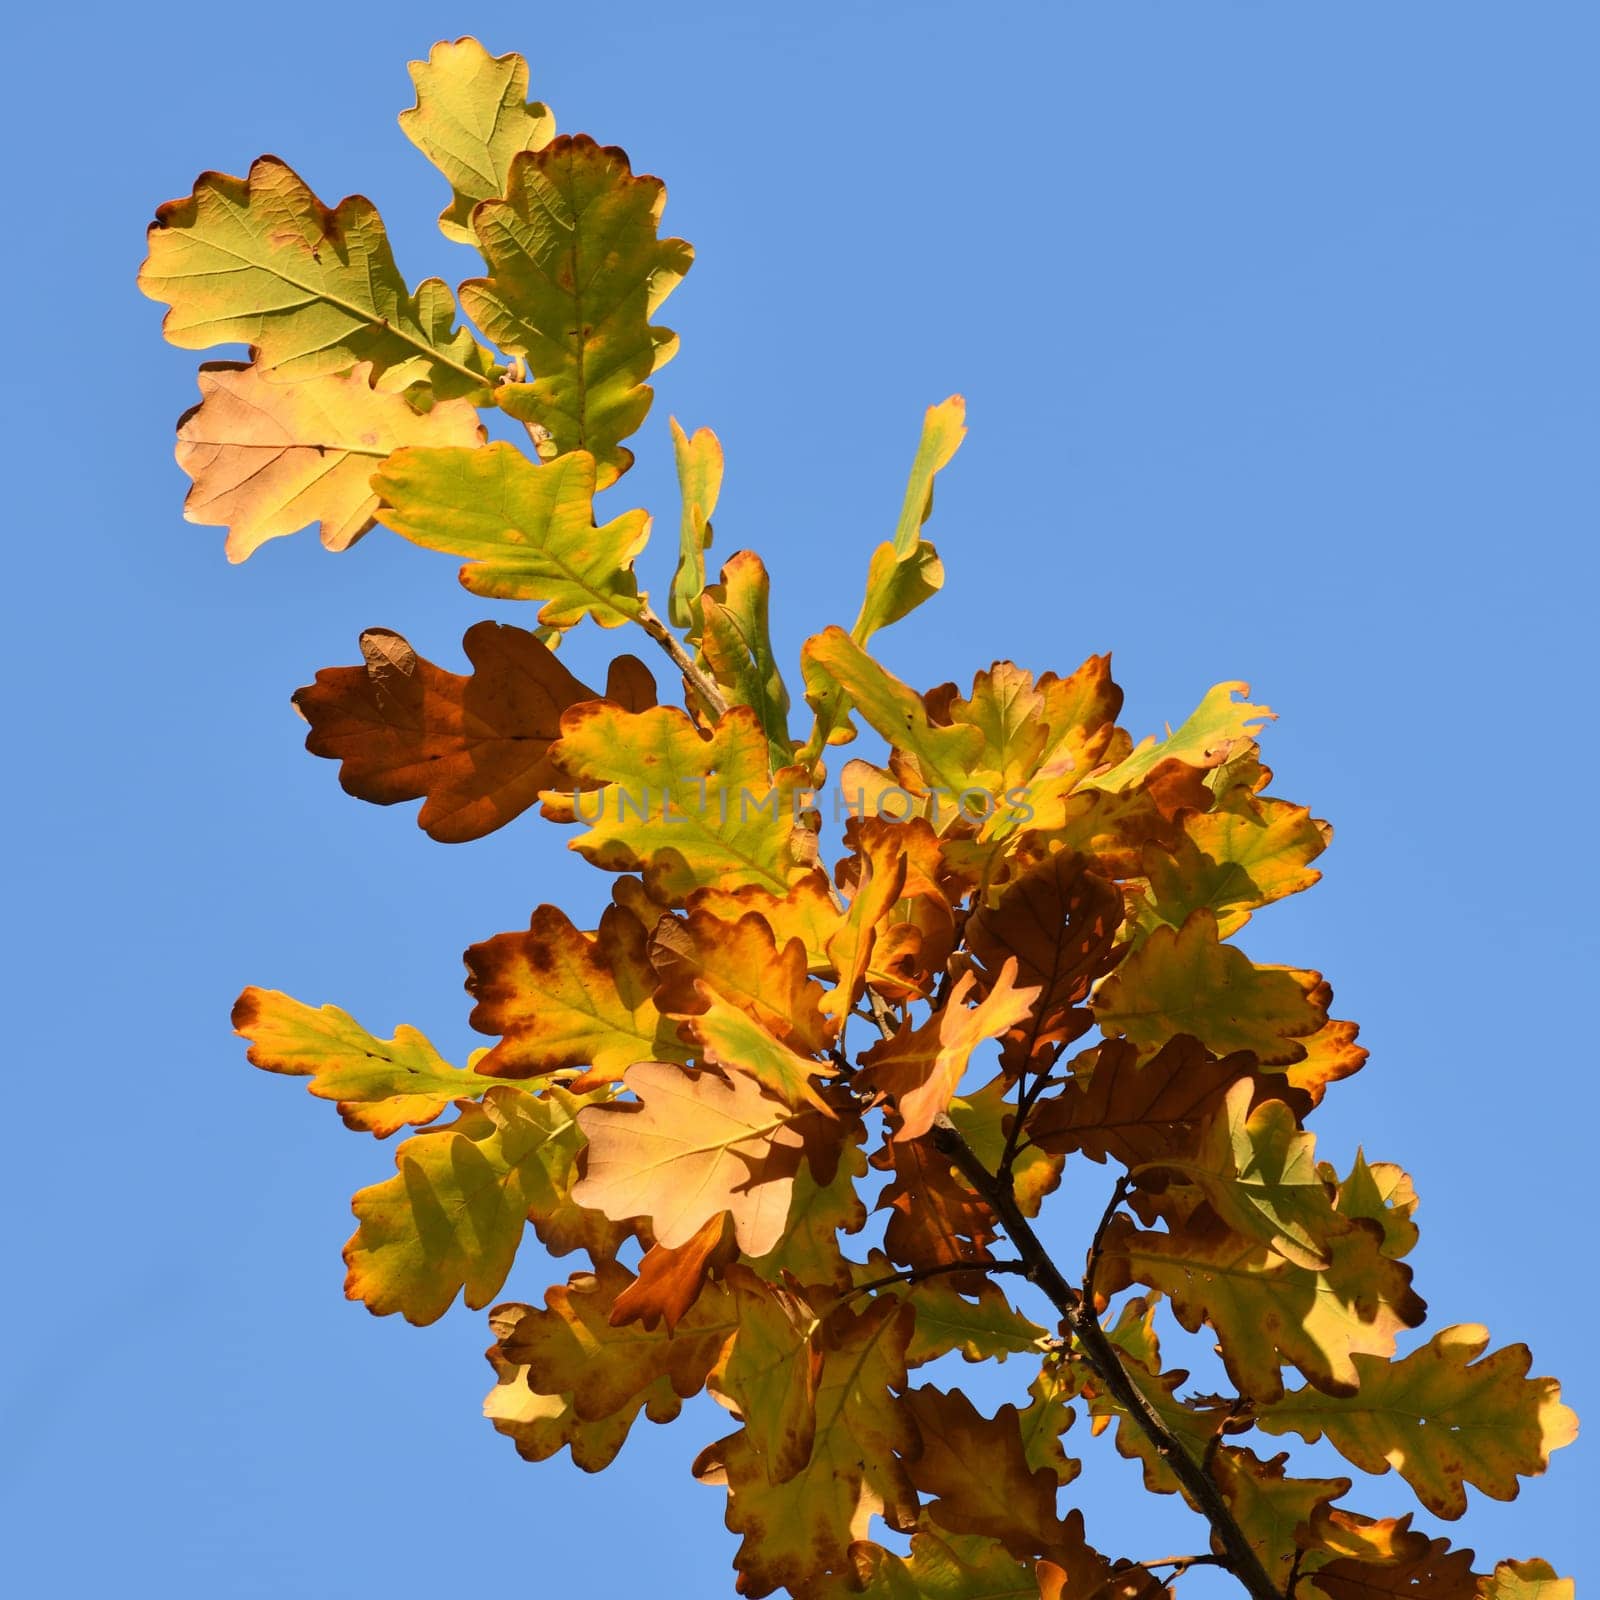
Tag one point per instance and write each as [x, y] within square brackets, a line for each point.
[576, 270]
[268, 459]
[528, 532]
[471, 119]
[261, 261]
[475, 749]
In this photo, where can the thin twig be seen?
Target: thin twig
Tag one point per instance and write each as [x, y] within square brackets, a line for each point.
[1180, 1563]
[917, 1274]
[1239, 1555]
[1118, 1195]
[715, 702]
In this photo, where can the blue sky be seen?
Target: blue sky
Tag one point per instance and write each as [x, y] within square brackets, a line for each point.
[1278, 329]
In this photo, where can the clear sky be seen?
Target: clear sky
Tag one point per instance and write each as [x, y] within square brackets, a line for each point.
[1278, 328]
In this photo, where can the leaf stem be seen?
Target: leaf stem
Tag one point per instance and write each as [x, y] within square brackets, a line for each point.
[1239, 1555]
[715, 702]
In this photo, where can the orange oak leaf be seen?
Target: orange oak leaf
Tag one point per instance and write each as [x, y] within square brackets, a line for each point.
[692, 1146]
[670, 1281]
[920, 1067]
[562, 999]
[935, 1220]
[474, 748]
[706, 956]
[1059, 923]
[1436, 1573]
[1133, 1112]
[978, 1472]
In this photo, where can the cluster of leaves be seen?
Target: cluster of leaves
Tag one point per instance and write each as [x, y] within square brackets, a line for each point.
[1023, 956]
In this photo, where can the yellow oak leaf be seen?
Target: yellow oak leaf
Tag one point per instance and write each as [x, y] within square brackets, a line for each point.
[736, 647]
[920, 1067]
[471, 118]
[1219, 727]
[576, 270]
[698, 458]
[452, 1217]
[1266, 1309]
[1525, 1580]
[1272, 1509]
[261, 261]
[1185, 980]
[527, 532]
[573, 1347]
[378, 1085]
[684, 810]
[1440, 1417]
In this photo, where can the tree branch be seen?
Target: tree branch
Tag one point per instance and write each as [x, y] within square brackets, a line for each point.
[1238, 1555]
[715, 702]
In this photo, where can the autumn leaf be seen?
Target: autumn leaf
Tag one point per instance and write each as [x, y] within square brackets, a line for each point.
[1216, 729]
[935, 1220]
[942, 1568]
[797, 1532]
[268, 459]
[473, 748]
[1259, 1172]
[823, 1209]
[983, 1117]
[452, 1217]
[698, 458]
[895, 588]
[562, 999]
[542, 1425]
[879, 880]
[977, 1471]
[378, 1085]
[1059, 923]
[528, 532]
[575, 272]
[1435, 1573]
[1525, 1580]
[986, 1327]
[1195, 1424]
[692, 1145]
[804, 910]
[574, 1346]
[1271, 1508]
[1265, 1308]
[1186, 980]
[1246, 854]
[736, 645]
[1136, 1112]
[769, 1373]
[702, 957]
[835, 664]
[1440, 1417]
[919, 1068]
[943, 428]
[471, 118]
[685, 810]
[261, 261]
[670, 1281]
[1383, 1193]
